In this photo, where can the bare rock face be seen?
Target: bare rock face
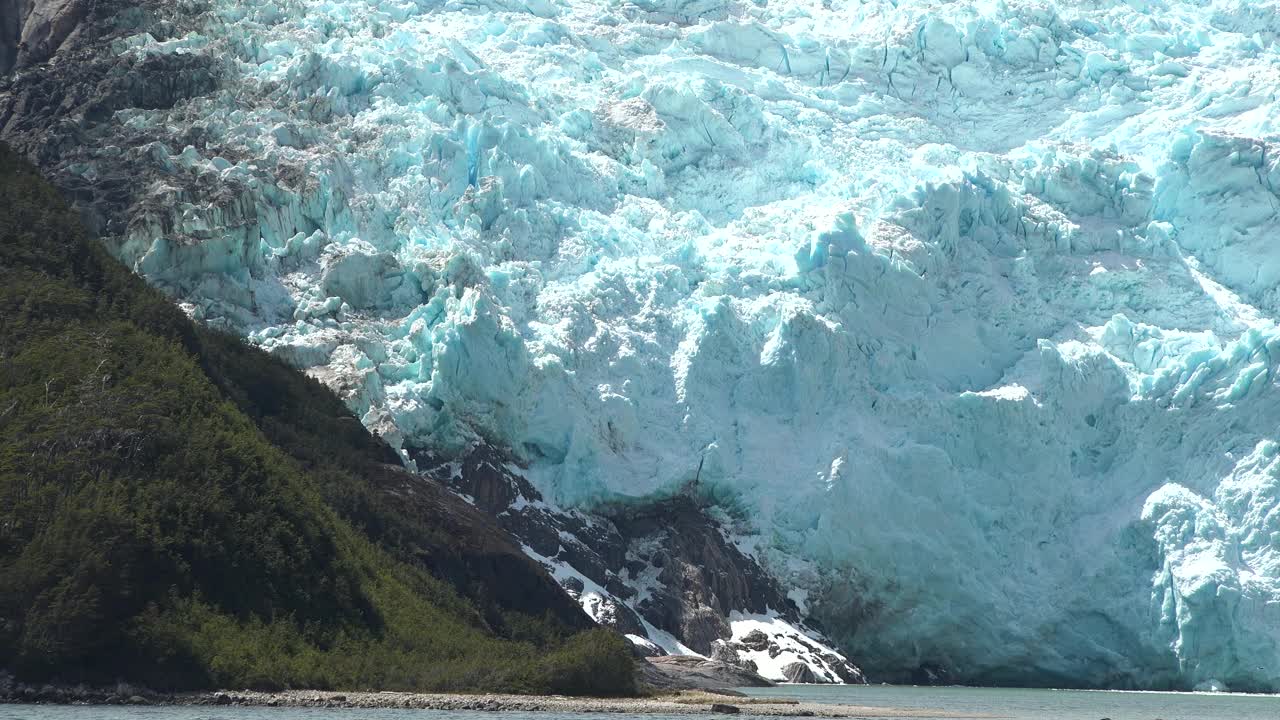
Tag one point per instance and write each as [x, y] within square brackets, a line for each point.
[725, 652]
[700, 626]
[661, 565]
[55, 113]
[693, 578]
[690, 672]
[36, 29]
[847, 671]
[592, 548]
[755, 640]
[646, 649]
[798, 672]
[702, 578]
[13, 21]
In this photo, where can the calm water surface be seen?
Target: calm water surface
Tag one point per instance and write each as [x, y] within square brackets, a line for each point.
[1013, 704]
[1042, 704]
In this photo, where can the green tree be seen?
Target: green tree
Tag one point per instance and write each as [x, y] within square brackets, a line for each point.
[181, 510]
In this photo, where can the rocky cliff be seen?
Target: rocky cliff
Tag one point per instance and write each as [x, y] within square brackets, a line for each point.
[31, 31]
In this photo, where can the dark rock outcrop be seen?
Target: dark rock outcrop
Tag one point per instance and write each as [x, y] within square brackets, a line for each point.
[478, 553]
[725, 652]
[32, 30]
[847, 672]
[666, 562]
[591, 547]
[647, 650]
[687, 672]
[755, 640]
[797, 672]
[930, 674]
[703, 577]
[693, 577]
[60, 114]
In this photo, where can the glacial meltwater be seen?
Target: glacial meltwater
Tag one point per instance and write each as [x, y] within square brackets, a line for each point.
[956, 702]
[1025, 704]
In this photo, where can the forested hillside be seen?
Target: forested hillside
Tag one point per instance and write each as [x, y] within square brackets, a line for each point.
[180, 510]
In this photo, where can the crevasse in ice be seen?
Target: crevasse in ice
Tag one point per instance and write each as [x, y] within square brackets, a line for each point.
[965, 309]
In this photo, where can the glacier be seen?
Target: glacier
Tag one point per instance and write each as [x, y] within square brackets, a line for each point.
[964, 313]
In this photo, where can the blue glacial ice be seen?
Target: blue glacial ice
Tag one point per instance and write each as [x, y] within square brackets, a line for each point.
[966, 311]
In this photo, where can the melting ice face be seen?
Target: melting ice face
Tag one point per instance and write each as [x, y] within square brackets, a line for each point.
[966, 309]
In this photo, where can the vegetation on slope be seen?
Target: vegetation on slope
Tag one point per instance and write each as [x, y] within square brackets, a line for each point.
[181, 510]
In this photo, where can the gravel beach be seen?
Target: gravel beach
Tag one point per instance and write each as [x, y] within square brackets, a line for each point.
[685, 703]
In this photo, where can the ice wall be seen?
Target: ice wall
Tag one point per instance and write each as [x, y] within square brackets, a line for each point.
[965, 309]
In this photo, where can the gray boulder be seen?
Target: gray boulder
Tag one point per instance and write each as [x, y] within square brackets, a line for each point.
[755, 640]
[725, 653]
[798, 672]
[689, 672]
[574, 586]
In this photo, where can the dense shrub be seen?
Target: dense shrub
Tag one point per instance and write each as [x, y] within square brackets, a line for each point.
[181, 510]
[596, 662]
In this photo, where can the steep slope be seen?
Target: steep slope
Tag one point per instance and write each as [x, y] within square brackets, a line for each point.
[961, 314]
[179, 509]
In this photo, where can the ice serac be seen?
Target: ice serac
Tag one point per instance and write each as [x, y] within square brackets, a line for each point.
[962, 315]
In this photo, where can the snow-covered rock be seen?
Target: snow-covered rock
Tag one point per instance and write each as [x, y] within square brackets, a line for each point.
[963, 313]
[781, 651]
[663, 573]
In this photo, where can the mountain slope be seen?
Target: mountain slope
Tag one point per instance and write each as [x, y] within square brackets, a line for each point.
[178, 509]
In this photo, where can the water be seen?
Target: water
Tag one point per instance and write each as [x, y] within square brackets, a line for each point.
[1041, 704]
[1012, 704]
